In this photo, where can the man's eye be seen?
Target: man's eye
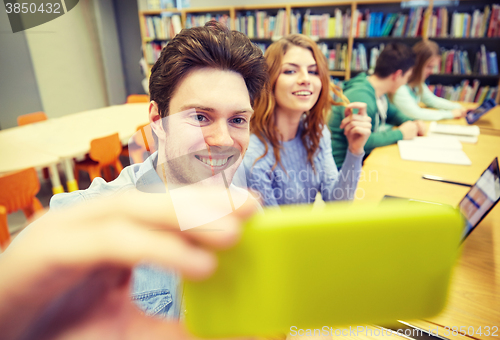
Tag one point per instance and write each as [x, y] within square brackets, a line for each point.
[200, 118]
[239, 121]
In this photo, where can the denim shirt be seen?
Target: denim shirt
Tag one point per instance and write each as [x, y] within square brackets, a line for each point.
[155, 290]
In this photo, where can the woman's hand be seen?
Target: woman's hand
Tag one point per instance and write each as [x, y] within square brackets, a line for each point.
[459, 113]
[357, 127]
[67, 275]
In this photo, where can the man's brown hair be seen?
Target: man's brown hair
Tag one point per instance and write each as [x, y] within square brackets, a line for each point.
[394, 56]
[212, 45]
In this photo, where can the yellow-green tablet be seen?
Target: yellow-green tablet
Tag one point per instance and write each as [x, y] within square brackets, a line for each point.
[342, 265]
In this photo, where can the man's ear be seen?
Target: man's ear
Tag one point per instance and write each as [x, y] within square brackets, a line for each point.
[397, 74]
[155, 120]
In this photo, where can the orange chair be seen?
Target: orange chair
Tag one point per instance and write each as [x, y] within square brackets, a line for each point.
[4, 229]
[142, 141]
[104, 153]
[31, 118]
[138, 98]
[19, 191]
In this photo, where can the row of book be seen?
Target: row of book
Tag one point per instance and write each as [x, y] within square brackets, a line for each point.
[164, 26]
[457, 62]
[335, 57]
[375, 24]
[452, 61]
[321, 25]
[465, 92]
[261, 25]
[359, 61]
[156, 5]
[153, 51]
[258, 24]
[198, 20]
[437, 23]
[478, 25]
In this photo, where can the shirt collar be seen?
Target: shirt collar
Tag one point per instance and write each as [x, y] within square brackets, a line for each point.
[146, 177]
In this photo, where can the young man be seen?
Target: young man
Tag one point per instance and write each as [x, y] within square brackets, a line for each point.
[393, 68]
[202, 90]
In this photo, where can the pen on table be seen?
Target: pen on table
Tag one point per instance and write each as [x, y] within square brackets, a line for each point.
[440, 179]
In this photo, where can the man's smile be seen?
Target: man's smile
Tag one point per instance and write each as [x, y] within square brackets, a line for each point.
[215, 161]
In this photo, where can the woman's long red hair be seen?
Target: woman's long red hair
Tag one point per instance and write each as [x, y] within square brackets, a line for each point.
[263, 121]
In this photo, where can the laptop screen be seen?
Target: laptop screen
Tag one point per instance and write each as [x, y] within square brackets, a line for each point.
[481, 197]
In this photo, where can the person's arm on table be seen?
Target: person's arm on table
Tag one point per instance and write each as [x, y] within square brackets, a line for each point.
[383, 138]
[431, 100]
[395, 116]
[67, 275]
[405, 102]
[406, 124]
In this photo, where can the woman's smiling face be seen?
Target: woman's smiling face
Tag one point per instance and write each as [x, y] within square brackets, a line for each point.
[298, 86]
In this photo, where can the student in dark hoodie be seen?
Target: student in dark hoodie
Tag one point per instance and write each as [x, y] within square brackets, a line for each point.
[393, 68]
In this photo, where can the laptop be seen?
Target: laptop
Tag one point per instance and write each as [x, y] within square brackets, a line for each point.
[479, 201]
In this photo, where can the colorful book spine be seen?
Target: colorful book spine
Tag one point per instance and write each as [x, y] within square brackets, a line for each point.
[465, 91]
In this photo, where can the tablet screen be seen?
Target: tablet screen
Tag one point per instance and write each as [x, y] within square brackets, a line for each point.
[481, 197]
[474, 115]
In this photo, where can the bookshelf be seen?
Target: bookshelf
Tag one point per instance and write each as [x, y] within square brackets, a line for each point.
[339, 30]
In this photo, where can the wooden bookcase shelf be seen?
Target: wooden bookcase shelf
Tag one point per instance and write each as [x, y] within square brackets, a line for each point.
[384, 5]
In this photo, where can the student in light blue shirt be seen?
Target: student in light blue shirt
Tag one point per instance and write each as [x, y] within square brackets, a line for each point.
[408, 96]
[289, 159]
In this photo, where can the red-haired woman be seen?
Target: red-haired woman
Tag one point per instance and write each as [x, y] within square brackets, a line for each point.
[289, 159]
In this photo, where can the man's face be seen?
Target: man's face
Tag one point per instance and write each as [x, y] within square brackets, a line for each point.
[207, 129]
[400, 79]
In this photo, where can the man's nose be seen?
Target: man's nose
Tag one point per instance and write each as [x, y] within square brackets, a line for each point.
[218, 134]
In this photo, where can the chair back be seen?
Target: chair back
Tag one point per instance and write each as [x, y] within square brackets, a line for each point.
[105, 150]
[4, 229]
[31, 118]
[138, 98]
[144, 138]
[19, 191]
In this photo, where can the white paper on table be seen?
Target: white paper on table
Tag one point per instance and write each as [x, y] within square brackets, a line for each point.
[466, 134]
[461, 138]
[433, 149]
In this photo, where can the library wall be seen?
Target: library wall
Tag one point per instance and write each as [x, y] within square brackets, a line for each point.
[18, 87]
[110, 50]
[67, 62]
[129, 33]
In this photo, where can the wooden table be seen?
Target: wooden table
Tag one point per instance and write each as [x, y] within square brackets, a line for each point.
[61, 139]
[15, 154]
[475, 293]
[474, 299]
